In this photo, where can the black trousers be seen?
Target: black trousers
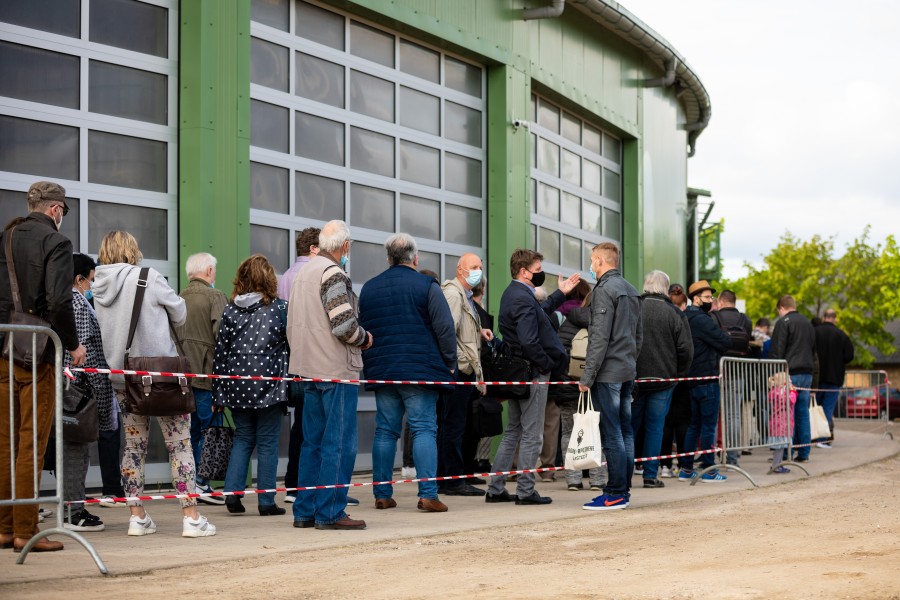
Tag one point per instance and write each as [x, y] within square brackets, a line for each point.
[452, 417]
[294, 445]
[109, 449]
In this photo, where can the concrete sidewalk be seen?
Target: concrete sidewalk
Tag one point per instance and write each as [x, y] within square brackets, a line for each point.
[249, 535]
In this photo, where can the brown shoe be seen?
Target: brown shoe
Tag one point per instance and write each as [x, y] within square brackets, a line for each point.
[6, 540]
[385, 503]
[43, 545]
[429, 505]
[345, 523]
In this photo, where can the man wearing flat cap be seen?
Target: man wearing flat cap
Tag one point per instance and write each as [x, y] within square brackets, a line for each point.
[41, 258]
[710, 342]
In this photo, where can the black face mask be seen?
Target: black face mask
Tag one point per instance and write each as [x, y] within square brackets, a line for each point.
[706, 306]
[537, 279]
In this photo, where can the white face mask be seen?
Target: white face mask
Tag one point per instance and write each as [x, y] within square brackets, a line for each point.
[59, 223]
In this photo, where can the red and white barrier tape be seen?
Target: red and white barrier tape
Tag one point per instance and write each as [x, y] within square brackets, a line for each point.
[352, 485]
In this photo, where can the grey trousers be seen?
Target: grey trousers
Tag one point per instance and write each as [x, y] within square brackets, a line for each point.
[76, 460]
[525, 429]
[598, 475]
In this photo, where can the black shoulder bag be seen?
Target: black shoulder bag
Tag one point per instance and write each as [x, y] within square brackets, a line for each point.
[24, 352]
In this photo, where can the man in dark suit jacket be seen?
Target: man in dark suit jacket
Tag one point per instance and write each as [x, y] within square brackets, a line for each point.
[835, 351]
[525, 326]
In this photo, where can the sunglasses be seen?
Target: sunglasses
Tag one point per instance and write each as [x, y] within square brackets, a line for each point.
[64, 207]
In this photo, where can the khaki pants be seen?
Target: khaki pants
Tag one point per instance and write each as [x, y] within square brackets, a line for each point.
[22, 520]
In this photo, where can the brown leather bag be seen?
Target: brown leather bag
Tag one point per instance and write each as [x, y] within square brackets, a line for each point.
[26, 349]
[155, 395]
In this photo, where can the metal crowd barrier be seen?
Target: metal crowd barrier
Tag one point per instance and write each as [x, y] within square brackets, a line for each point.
[866, 396]
[754, 410]
[57, 500]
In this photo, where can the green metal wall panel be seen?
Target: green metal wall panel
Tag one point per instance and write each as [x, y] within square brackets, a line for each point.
[214, 133]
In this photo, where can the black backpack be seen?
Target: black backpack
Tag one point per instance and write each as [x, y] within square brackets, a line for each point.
[740, 339]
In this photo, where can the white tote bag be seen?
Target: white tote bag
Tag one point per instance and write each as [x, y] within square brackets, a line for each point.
[818, 422]
[584, 451]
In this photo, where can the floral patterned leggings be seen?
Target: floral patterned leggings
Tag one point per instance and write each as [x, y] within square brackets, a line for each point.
[177, 435]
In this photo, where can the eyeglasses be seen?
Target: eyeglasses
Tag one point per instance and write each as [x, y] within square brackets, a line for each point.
[708, 297]
[64, 207]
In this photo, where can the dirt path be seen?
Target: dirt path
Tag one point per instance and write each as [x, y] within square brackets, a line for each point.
[836, 536]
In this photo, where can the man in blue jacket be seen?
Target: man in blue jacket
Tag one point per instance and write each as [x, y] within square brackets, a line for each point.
[525, 325]
[710, 342]
[415, 340]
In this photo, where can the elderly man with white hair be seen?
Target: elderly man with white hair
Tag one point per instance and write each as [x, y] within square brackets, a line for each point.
[666, 353]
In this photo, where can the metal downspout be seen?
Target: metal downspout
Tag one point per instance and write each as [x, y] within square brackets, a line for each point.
[668, 79]
[545, 12]
[694, 130]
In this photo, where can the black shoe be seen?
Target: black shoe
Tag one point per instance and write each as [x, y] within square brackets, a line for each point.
[653, 483]
[746, 453]
[476, 481]
[801, 460]
[234, 505]
[462, 490]
[534, 498]
[304, 524]
[501, 497]
[352, 501]
[273, 510]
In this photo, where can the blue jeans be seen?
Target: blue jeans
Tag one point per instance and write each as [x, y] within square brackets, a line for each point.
[420, 406]
[328, 452]
[704, 423]
[200, 420]
[801, 413]
[255, 428]
[613, 401]
[649, 412]
[829, 401]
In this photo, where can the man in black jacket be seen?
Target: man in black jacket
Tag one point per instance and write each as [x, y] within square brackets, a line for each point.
[794, 340]
[42, 260]
[740, 329]
[710, 343]
[835, 351]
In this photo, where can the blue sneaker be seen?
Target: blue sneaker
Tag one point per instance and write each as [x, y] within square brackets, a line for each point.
[606, 502]
[713, 477]
[685, 475]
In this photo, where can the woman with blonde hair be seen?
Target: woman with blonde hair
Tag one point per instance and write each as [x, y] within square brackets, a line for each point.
[115, 283]
[252, 340]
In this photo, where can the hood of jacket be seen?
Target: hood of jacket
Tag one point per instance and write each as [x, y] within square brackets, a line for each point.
[248, 301]
[109, 280]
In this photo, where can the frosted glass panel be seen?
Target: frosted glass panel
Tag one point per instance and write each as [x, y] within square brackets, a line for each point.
[371, 96]
[591, 176]
[130, 25]
[56, 16]
[319, 80]
[127, 161]
[548, 201]
[274, 13]
[592, 139]
[269, 188]
[273, 243]
[571, 253]
[590, 217]
[611, 224]
[430, 261]
[420, 62]
[548, 157]
[371, 44]
[570, 213]
[149, 226]
[320, 25]
[319, 198]
[611, 185]
[14, 204]
[39, 75]
[420, 217]
[420, 164]
[269, 64]
[372, 152]
[462, 77]
[371, 208]
[612, 148]
[319, 139]
[548, 116]
[462, 124]
[463, 174]
[268, 126]
[571, 167]
[571, 128]
[38, 148]
[420, 110]
[549, 244]
[128, 93]
[463, 225]
[366, 261]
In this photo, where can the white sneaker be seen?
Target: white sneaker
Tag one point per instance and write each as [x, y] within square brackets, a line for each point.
[199, 528]
[289, 499]
[825, 445]
[408, 473]
[213, 500]
[666, 472]
[109, 502]
[143, 526]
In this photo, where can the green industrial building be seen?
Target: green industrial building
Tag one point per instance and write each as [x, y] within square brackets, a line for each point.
[475, 125]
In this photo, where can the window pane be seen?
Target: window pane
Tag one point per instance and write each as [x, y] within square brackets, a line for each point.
[549, 244]
[612, 148]
[571, 167]
[268, 126]
[38, 148]
[548, 116]
[319, 139]
[420, 164]
[591, 176]
[320, 25]
[548, 157]
[548, 201]
[587, 249]
[462, 124]
[533, 150]
[318, 198]
[611, 185]
[450, 262]
[268, 188]
[371, 208]
[462, 174]
[571, 128]
[366, 261]
[130, 25]
[592, 139]
[533, 194]
[274, 13]
[319, 80]
[129, 93]
[39, 75]
[571, 253]
[590, 217]
[371, 96]
[56, 16]
[274, 244]
[420, 62]
[462, 77]
[372, 152]
[430, 261]
[420, 217]
[571, 210]
[420, 111]
[149, 226]
[611, 224]
[269, 64]
[463, 225]
[127, 161]
[371, 44]
[14, 204]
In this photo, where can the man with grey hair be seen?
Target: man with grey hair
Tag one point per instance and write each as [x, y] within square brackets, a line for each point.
[205, 305]
[666, 353]
[415, 340]
[326, 342]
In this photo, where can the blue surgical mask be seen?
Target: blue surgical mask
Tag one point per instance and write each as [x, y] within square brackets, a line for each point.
[213, 285]
[88, 295]
[474, 277]
[593, 275]
[344, 261]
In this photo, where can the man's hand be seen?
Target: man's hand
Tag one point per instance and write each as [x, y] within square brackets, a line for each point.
[370, 342]
[567, 285]
[78, 355]
[583, 388]
[481, 388]
[487, 335]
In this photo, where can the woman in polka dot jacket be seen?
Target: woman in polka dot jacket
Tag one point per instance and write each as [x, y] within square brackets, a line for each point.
[252, 340]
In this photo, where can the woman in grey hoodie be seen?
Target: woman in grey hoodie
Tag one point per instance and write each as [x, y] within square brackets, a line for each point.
[115, 283]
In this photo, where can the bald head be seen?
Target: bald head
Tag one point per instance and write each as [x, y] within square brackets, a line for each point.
[829, 316]
[468, 263]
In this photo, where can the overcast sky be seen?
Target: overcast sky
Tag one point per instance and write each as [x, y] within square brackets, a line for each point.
[805, 129]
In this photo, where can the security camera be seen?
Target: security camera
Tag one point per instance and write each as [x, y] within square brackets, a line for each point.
[520, 123]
